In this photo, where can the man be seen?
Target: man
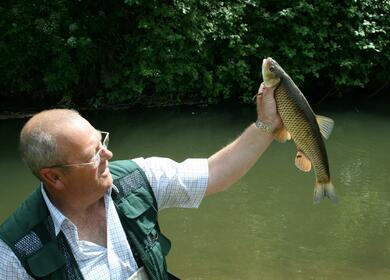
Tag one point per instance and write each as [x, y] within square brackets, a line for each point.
[93, 220]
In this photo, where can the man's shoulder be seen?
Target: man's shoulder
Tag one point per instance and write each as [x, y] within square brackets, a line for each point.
[128, 176]
[10, 266]
[26, 216]
[119, 168]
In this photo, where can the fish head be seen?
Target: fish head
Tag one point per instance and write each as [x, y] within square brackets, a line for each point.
[272, 72]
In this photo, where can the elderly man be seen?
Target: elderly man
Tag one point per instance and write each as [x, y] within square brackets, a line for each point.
[91, 219]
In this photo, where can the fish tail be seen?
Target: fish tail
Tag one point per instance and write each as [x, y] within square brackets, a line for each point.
[324, 189]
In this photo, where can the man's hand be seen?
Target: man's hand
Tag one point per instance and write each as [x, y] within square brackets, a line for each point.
[266, 107]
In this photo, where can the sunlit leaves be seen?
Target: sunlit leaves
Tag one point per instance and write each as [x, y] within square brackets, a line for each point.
[99, 52]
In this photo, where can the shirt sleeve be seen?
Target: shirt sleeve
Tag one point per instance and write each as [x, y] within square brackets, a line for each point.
[176, 184]
[10, 266]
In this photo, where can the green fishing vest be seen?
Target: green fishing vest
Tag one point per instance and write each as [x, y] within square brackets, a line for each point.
[29, 232]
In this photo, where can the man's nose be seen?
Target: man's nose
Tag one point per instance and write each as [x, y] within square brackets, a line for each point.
[106, 154]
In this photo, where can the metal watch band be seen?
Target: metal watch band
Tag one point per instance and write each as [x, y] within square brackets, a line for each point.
[264, 126]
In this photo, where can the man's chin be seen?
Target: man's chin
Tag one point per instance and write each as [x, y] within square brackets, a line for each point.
[108, 181]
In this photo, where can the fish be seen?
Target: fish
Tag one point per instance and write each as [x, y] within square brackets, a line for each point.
[303, 126]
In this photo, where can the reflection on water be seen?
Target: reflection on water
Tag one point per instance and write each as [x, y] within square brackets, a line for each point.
[353, 170]
[266, 226]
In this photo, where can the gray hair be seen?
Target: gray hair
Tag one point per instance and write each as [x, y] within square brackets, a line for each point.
[38, 139]
[39, 150]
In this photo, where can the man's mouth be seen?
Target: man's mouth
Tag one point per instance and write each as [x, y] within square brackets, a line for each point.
[105, 172]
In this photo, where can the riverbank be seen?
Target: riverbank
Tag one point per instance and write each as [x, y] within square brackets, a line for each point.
[14, 109]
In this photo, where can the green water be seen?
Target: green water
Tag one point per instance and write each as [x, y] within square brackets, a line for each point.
[265, 226]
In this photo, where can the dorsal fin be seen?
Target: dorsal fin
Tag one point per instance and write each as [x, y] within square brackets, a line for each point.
[326, 125]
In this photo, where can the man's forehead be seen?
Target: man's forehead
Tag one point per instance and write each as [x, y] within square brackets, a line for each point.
[78, 134]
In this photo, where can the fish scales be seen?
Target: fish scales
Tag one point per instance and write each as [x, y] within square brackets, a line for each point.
[303, 126]
[296, 120]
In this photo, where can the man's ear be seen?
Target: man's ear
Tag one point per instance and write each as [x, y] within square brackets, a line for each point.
[53, 177]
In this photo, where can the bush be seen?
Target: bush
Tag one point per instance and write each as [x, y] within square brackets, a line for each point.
[156, 52]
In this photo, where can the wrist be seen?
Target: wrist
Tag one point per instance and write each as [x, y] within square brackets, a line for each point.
[265, 126]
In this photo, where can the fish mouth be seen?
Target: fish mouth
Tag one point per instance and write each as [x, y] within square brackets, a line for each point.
[267, 75]
[264, 66]
[267, 62]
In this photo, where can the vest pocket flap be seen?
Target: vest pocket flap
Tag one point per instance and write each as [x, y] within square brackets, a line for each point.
[136, 203]
[46, 260]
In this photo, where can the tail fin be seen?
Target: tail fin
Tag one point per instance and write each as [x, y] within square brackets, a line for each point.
[324, 189]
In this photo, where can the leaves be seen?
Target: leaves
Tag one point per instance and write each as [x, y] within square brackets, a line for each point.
[99, 52]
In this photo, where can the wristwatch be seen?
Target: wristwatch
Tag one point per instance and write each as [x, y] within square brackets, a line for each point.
[267, 127]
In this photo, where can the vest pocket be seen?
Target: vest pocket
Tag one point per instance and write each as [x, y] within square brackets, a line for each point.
[46, 260]
[135, 207]
[138, 213]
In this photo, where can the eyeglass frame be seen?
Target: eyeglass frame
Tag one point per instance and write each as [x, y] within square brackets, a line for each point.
[96, 158]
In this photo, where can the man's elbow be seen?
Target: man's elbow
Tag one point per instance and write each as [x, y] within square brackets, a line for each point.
[215, 187]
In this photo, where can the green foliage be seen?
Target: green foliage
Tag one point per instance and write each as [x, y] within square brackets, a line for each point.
[148, 51]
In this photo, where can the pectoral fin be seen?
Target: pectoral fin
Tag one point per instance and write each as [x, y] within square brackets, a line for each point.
[326, 125]
[302, 162]
[282, 135]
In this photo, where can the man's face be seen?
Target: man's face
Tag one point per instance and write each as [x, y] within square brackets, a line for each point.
[80, 144]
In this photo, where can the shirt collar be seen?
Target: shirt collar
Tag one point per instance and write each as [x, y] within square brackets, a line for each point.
[56, 215]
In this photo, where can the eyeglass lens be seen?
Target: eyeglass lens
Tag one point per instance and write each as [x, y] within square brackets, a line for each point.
[105, 141]
[106, 138]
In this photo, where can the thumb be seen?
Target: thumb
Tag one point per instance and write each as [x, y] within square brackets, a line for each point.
[266, 95]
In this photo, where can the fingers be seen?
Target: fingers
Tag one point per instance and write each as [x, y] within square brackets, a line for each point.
[259, 92]
[265, 93]
[261, 89]
[264, 98]
[266, 106]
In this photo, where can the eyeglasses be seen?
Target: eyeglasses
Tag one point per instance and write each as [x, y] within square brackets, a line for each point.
[96, 159]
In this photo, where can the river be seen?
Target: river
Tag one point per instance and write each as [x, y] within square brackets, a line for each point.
[266, 225]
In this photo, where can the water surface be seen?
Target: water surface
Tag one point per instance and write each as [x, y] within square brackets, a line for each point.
[265, 226]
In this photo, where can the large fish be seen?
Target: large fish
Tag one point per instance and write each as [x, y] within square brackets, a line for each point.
[303, 126]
